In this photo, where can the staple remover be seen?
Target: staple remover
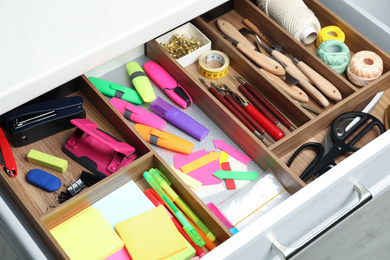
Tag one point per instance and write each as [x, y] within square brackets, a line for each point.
[7, 159]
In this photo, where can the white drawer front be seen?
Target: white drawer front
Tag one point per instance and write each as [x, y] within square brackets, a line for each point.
[314, 207]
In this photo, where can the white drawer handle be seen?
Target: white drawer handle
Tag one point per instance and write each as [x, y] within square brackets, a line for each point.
[285, 252]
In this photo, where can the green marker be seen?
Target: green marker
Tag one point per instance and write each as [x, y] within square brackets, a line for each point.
[158, 177]
[234, 175]
[112, 89]
[188, 228]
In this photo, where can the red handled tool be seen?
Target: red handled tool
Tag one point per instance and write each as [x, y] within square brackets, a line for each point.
[252, 92]
[7, 159]
[254, 114]
[232, 109]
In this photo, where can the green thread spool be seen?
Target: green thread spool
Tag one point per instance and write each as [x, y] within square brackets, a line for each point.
[334, 53]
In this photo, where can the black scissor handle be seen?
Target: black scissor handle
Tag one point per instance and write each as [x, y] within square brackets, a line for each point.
[317, 147]
[363, 119]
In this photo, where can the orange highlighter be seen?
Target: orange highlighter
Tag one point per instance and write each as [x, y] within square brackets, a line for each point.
[164, 139]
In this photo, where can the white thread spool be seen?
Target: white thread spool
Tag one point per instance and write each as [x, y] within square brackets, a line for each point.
[294, 16]
[364, 67]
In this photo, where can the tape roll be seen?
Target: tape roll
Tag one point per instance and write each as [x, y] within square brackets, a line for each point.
[213, 64]
[330, 33]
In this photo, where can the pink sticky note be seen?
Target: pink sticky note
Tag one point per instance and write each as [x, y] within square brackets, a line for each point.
[120, 255]
[220, 144]
[180, 159]
[204, 174]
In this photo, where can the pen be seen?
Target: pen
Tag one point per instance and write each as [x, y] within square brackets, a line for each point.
[157, 176]
[156, 200]
[190, 230]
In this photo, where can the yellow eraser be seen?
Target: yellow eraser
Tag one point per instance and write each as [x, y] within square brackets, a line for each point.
[47, 160]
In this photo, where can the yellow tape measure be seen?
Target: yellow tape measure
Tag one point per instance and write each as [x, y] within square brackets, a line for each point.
[213, 64]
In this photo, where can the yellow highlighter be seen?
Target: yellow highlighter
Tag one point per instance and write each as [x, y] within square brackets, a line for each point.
[140, 81]
[158, 177]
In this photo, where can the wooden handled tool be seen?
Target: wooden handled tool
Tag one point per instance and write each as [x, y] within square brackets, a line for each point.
[233, 35]
[280, 56]
[321, 83]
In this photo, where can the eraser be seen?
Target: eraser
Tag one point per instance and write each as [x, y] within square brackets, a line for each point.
[47, 160]
[140, 81]
[43, 180]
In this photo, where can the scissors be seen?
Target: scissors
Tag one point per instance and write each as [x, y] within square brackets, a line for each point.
[341, 139]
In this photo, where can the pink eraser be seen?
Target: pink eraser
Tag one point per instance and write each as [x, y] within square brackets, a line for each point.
[168, 84]
[138, 114]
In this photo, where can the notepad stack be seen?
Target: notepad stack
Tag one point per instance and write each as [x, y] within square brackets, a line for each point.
[152, 235]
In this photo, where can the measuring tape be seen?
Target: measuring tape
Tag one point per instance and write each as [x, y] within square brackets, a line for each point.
[208, 57]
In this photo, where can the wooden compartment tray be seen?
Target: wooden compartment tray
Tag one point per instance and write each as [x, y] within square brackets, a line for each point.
[33, 203]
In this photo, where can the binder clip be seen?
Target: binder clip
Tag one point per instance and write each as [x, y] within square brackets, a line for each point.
[73, 187]
[7, 159]
[34, 122]
[96, 150]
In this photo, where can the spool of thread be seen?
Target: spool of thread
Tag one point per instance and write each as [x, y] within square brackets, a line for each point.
[334, 53]
[364, 67]
[330, 33]
[294, 16]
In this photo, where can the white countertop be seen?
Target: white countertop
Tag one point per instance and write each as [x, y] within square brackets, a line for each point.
[44, 44]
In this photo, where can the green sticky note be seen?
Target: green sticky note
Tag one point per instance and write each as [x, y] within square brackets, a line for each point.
[235, 175]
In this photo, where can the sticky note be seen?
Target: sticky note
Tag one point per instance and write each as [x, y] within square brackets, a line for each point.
[193, 183]
[125, 202]
[212, 156]
[230, 184]
[220, 144]
[47, 160]
[180, 159]
[204, 174]
[87, 235]
[151, 235]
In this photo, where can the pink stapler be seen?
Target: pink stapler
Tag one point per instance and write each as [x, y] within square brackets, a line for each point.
[168, 84]
[96, 150]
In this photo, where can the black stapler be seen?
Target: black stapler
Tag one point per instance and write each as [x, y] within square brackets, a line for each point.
[34, 122]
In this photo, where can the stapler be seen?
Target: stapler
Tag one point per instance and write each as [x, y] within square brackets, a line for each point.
[34, 122]
[96, 150]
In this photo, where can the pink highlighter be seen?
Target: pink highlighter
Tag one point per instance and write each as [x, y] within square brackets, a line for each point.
[168, 84]
[138, 114]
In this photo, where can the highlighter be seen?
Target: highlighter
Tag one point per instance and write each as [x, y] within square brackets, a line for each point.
[112, 89]
[179, 119]
[137, 114]
[157, 201]
[164, 139]
[188, 228]
[168, 84]
[140, 81]
[158, 177]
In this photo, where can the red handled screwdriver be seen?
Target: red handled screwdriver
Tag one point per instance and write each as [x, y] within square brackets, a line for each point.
[240, 117]
[264, 102]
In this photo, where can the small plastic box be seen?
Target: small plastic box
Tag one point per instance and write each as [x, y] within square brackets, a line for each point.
[189, 30]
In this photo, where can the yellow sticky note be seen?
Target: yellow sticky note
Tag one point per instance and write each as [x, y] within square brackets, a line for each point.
[151, 235]
[193, 183]
[202, 161]
[87, 235]
[224, 157]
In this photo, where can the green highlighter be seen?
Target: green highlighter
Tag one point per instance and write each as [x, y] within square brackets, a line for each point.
[112, 89]
[159, 178]
[140, 81]
[188, 228]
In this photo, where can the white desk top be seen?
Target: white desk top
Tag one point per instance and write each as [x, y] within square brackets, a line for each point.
[44, 44]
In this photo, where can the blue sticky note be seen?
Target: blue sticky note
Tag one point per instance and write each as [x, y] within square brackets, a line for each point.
[123, 203]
